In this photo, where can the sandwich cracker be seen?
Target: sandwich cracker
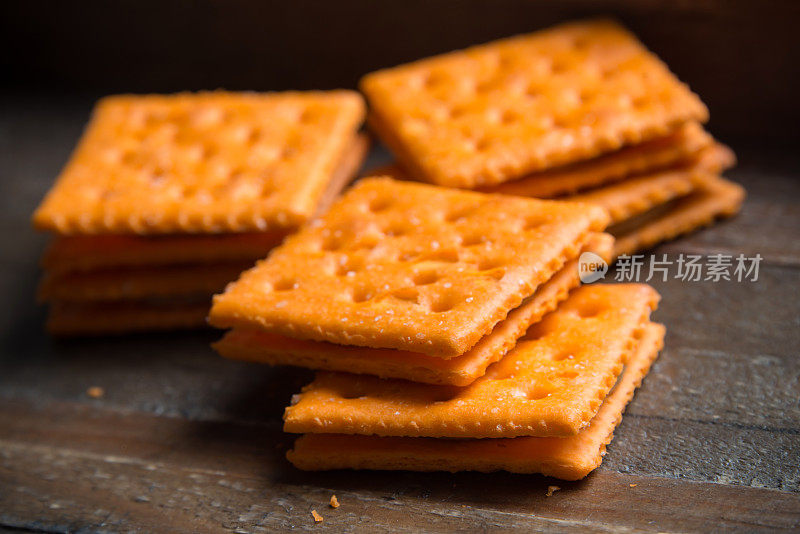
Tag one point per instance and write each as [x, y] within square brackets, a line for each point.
[257, 346]
[141, 283]
[408, 266]
[551, 384]
[713, 198]
[570, 458]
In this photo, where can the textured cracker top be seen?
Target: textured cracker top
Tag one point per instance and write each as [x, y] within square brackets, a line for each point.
[408, 266]
[496, 112]
[206, 163]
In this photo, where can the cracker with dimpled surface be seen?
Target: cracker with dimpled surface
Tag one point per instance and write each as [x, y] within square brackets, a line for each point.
[256, 346]
[203, 163]
[408, 266]
[550, 384]
[570, 458]
[500, 111]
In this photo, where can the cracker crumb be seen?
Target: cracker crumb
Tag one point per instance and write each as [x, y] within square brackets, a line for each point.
[334, 502]
[96, 392]
[633, 485]
[316, 516]
[551, 490]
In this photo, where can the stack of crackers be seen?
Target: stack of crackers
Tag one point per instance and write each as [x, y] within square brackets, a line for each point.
[582, 111]
[168, 198]
[455, 309]
[448, 327]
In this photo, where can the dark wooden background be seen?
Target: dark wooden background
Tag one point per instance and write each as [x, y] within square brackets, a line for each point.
[186, 441]
[740, 55]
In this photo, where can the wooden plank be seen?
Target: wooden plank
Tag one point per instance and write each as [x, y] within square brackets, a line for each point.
[724, 453]
[733, 317]
[104, 470]
[184, 440]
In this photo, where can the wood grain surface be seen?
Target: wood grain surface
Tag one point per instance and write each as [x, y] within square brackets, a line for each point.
[183, 440]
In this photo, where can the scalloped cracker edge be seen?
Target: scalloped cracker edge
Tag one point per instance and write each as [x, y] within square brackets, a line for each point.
[713, 198]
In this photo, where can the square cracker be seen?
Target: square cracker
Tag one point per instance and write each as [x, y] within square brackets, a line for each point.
[141, 283]
[106, 318]
[551, 384]
[202, 163]
[713, 198]
[256, 346]
[570, 458]
[408, 266]
[499, 111]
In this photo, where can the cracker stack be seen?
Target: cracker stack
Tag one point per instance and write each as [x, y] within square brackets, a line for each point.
[582, 109]
[168, 198]
[436, 297]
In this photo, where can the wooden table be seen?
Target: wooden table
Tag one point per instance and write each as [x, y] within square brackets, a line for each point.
[186, 441]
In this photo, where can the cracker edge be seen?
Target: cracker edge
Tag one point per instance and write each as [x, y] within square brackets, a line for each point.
[716, 198]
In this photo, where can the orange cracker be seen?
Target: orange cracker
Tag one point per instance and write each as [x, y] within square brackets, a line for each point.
[408, 266]
[78, 319]
[97, 252]
[570, 458]
[714, 198]
[93, 252]
[551, 384]
[638, 195]
[257, 346]
[202, 163]
[141, 283]
[676, 148]
[497, 112]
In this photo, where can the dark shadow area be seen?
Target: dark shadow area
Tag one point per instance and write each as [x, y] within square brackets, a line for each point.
[738, 55]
